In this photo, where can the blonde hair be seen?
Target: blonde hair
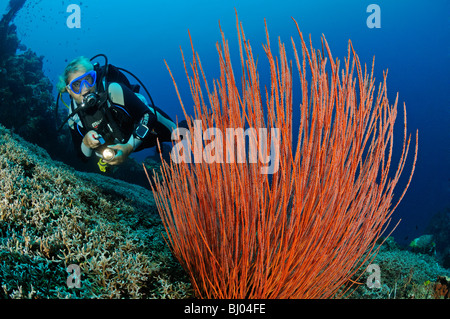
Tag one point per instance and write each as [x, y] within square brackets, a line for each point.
[79, 64]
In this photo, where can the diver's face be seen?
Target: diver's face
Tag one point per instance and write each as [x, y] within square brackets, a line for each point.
[78, 97]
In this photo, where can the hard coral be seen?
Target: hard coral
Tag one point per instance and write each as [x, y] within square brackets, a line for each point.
[52, 216]
[442, 288]
[403, 275]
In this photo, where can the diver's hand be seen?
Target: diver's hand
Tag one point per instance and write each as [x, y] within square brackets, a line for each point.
[122, 153]
[91, 139]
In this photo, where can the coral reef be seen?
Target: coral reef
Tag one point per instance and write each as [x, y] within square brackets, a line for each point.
[52, 216]
[8, 38]
[26, 101]
[442, 288]
[404, 274]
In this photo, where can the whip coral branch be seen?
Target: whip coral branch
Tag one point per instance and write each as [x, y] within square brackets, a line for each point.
[303, 231]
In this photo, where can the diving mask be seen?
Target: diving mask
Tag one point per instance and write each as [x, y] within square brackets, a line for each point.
[88, 79]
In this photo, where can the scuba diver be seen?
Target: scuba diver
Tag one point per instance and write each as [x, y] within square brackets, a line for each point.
[108, 116]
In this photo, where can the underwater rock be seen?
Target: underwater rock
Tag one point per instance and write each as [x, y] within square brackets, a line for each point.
[137, 195]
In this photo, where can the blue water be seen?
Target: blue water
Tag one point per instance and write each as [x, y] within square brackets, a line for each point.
[413, 43]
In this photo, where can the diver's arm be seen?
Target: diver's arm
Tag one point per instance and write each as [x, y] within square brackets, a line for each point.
[90, 142]
[86, 150]
[134, 142]
[79, 134]
[143, 129]
[77, 139]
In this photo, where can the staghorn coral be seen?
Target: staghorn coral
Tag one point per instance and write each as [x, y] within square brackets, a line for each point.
[52, 216]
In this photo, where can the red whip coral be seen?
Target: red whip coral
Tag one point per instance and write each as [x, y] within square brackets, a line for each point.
[304, 230]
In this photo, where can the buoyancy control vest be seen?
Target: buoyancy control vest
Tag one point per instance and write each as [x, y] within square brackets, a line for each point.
[111, 121]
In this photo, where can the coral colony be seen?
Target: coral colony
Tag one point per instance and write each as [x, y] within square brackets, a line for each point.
[303, 232]
[53, 218]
